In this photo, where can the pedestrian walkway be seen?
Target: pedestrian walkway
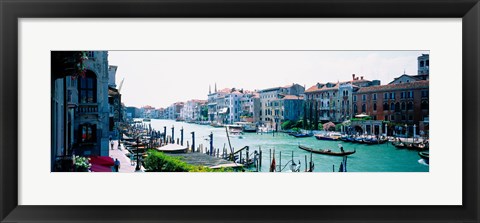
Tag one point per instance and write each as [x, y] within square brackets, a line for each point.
[119, 152]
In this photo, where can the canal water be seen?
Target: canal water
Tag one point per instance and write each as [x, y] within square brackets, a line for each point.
[368, 158]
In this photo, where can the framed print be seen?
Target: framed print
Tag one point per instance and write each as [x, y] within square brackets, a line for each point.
[313, 111]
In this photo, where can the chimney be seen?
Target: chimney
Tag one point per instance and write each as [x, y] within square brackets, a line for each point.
[353, 76]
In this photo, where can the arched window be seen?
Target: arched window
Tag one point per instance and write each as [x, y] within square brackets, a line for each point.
[392, 106]
[397, 107]
[88, 133]
[385, 106]
[375, 106]
[424, 104]
[364, 109]
[355, 110]
[404, 106]
[410, 106]
[87, 88]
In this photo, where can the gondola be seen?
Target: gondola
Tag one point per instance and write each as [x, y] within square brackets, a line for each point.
[327, 152]
[425, 156]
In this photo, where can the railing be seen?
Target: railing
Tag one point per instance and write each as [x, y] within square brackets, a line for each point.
[87, 109]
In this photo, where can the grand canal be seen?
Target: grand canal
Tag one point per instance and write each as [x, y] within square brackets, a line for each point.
[368, 158]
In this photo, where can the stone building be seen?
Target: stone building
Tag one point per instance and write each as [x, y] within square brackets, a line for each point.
[272, 106]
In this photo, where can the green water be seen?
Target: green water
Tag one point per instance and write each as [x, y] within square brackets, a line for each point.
[368, 158]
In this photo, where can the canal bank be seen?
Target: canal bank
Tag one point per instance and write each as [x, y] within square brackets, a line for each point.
[368, 158]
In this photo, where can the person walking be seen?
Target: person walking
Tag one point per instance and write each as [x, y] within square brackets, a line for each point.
[116, 165]
[111, 143]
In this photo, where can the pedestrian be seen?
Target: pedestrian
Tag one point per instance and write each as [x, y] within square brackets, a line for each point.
[116, 165]
[111, 143]
[132, 159]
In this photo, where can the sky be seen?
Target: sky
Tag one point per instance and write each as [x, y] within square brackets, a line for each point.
[161, 78]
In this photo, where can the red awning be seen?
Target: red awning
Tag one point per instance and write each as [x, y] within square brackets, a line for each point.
[100, 168]
[101, 160]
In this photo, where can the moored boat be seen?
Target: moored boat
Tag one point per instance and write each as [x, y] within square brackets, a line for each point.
[247, 126]
[328, 136]
[327, 151]
[302, 135]
[425, 156]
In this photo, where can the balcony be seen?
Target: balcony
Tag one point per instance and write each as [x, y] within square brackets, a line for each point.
[87, 109]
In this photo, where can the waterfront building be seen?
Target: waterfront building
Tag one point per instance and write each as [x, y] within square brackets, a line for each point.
[133, 112]
[333, 101]
[272, 107]
[250, 107]
[233, 105]
[192, 111]
[92, 114]
[405, 103]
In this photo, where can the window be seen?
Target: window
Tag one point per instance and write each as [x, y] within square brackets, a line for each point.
[410, 106]
[392, 95]
[427, 63]
[355, 110]
[88, 133]
[410, 117]
[424, 104]
[374, 97]
[386, 117]
[87, 88]
[404, 106]
[364, 109]
[364, 97]
[385, 96]
[424, 93]
[355, 98]
[375, 106]
[392, 106]
[397, 107]
[392, 118]
[422, 64]
[385, 106]
[403, 117]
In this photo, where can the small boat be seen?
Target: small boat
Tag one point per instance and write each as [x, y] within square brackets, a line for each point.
[234, 129]
[302, 135]
[328, 136]
[247, 126]
[420, 146]
[425, 156]
[399, 145]
[216, 125]
[147, 120]
[264, 129]
[327, 151]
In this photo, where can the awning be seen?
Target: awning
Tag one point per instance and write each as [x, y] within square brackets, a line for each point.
[100, 168]
[101, 160]
[223, 111]
[361, 116]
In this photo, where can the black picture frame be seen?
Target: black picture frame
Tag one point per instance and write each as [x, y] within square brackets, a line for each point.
[11, 11]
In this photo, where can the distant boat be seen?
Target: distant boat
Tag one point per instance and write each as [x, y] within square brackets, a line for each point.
[328, 136]
[247, 126]
[147, 120]
[216, 125]
[327, 151]
[234, 130]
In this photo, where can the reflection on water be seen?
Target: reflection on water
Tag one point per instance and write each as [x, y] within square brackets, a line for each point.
[368, 158]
